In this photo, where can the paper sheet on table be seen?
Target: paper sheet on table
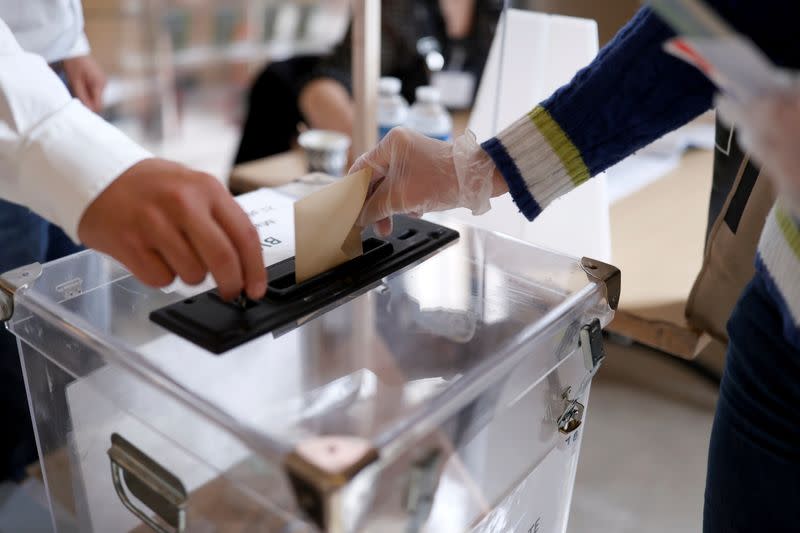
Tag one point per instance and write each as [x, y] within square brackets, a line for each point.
[324, 225]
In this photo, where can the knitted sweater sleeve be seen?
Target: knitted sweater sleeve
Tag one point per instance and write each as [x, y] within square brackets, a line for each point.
[631, 94]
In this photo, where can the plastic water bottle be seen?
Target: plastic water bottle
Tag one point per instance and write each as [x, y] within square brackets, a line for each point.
[392, 107]
[428, 116]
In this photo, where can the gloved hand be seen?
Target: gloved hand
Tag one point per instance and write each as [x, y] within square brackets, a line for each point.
[413, 174]
[769, 128]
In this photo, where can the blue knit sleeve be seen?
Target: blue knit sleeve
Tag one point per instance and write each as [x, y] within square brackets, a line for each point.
[630, 95]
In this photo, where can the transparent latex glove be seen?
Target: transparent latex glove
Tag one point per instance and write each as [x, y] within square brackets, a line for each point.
[413, 174]
[769, 129]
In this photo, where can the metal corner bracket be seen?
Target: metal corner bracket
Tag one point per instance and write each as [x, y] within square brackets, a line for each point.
[607, 275]
[11, 282]
[319, 466]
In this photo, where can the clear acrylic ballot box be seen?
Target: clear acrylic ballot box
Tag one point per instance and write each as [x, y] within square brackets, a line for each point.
[448, 396]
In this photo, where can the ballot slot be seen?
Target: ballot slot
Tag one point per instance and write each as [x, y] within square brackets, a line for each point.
[218, 325]
[283, 286]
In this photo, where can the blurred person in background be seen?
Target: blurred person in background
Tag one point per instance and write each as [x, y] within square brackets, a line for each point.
[95, 185]
[417, 37]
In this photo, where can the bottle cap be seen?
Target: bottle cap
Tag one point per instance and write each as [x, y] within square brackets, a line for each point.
[389, 85]
[428, 95]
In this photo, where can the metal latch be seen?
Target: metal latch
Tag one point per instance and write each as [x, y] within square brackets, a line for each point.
[11, 282]
[572, 416]
[591, 343]
[152, 484]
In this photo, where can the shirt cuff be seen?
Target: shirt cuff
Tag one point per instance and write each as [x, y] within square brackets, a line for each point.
[537, 160]
[68, 160]
[80, 48]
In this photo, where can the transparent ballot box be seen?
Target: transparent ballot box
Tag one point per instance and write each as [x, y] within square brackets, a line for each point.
[448, 395]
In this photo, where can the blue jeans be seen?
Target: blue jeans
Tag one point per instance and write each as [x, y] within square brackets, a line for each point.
[24, 238]
[753, 481]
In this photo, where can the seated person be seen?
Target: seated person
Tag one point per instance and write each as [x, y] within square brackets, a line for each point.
[316, 90]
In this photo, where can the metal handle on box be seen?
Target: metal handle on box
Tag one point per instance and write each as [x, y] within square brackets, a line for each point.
[153, 485]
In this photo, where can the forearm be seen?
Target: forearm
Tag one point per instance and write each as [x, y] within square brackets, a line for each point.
[327, 105]
[631, 94]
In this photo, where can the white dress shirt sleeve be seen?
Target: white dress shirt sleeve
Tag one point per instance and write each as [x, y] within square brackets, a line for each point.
[56, 156]
[80, 48]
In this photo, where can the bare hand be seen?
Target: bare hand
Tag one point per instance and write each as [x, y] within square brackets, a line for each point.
[161, 219]
[86, 80]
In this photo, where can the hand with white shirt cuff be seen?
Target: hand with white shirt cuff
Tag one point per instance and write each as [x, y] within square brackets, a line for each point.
[161, 220]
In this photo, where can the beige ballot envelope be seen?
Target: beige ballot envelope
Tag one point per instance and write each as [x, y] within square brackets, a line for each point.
[325, 230]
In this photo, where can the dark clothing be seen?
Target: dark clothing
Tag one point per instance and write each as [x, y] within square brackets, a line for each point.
[24, 238]
[753, 481]
[404, 23]
[273, 113]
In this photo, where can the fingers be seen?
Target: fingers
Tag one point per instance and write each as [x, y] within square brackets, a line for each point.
[244, 237]
[80, 90]
[379, 205]
[96, 98]
[384, 227]
[146, 265]
[182, 222]
[217, 252]
[96, 86]
[174, 248]
[378, 158]
[387, 161]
